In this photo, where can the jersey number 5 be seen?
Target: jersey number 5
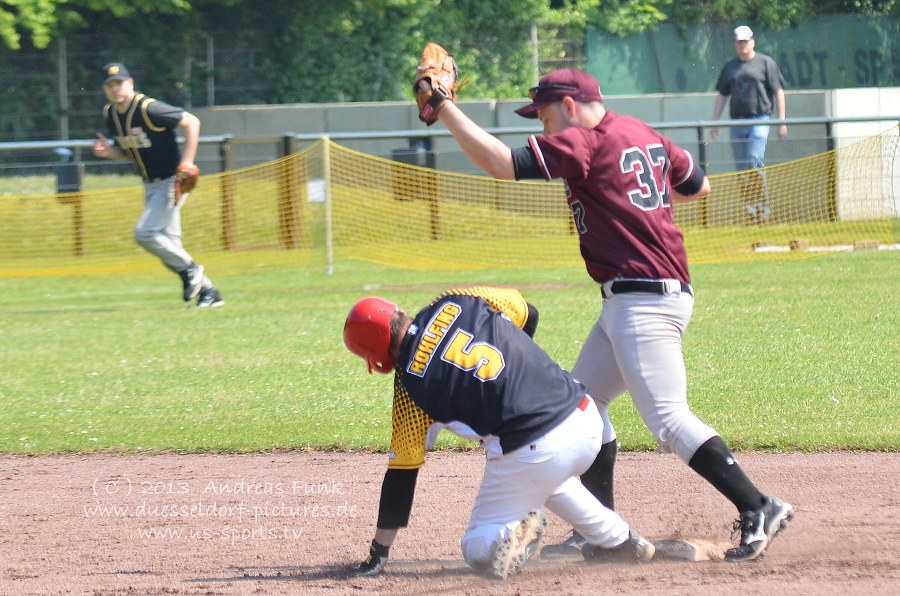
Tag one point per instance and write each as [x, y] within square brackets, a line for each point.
[648, 167]
[483, 358]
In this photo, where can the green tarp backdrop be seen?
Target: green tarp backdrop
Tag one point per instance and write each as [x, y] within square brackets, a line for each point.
[826, 53]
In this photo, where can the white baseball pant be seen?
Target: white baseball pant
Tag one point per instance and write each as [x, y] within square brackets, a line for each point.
[158, 229]
[635, 345]
[542, 473]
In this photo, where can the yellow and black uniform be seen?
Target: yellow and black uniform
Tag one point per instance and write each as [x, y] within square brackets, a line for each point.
[410, 422]
[145, 132]
[466, 358]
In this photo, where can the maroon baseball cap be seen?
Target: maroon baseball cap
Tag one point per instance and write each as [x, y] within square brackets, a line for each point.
[565, 82]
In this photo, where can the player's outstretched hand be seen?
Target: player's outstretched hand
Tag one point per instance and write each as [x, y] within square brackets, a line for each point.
[436, 81]
[374, 563]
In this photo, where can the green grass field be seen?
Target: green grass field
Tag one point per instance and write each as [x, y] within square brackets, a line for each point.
[802, 354]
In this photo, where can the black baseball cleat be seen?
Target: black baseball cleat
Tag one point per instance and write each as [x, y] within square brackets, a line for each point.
[635, 549]
[374, 563]
[210, 298]
[191, 279]
[569, 547]
[521, 544]
[758, 528]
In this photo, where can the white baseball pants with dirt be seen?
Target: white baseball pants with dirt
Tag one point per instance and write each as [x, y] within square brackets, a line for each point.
[158, 229]
[542, 473]
[635, 346]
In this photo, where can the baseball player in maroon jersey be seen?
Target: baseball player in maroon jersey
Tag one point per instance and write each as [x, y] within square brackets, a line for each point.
[143, 131]
[621, 177]
[466, 360]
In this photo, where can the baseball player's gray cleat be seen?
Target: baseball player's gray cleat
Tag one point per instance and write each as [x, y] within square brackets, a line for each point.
[191, 279]
[635, 549]
[210, 298]
[519, 546]
[569, 547]
[758, 528]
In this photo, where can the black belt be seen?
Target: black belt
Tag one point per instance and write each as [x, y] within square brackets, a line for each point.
[637, 286]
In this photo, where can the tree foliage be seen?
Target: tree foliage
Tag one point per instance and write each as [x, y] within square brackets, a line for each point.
[624, 17]
[469, 21]
[36, 17]
[45, 20]
[322, 51]
[773, 15]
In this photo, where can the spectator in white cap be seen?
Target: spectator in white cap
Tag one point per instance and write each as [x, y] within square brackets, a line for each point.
[756, 88]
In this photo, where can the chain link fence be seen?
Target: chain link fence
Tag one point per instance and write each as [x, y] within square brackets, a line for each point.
[56, 93]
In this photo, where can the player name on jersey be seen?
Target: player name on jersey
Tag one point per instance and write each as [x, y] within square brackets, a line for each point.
[432, 337]
[138, 139]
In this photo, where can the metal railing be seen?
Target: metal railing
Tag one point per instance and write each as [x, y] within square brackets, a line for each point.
[220, 150]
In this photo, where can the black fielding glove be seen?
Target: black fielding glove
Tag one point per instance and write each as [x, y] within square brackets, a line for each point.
[374, 564]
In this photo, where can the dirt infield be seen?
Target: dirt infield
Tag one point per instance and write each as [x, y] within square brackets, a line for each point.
[293, 523]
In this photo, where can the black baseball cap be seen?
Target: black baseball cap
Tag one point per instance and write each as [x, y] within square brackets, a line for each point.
[115, 71]
[565, 82]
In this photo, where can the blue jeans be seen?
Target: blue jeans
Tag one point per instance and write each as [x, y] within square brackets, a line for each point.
[748, 145]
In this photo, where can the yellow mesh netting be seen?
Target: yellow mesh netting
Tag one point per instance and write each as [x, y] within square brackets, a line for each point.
[326, 203]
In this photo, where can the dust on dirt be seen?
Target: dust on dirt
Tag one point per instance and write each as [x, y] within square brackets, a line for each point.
[295, 523]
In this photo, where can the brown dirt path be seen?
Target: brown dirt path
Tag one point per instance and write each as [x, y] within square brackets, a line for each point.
[292, 522]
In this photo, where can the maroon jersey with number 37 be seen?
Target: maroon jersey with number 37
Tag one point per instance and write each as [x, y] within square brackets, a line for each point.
[618, 179]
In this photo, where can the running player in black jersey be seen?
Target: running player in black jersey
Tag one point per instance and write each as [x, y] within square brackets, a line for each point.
[468, 359]
[142, 130]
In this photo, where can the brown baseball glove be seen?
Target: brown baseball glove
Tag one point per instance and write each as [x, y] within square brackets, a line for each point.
[437, 81]
[186, 177]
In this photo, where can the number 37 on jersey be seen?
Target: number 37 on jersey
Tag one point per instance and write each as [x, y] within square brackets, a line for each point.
[645, 172]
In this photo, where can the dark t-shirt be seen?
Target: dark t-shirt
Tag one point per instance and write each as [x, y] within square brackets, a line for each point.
[618, 178]
[751, 85]
[462, 360]
[145, 132]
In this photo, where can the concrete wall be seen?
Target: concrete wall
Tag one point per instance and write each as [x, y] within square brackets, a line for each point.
[804, 140]
[881, 176]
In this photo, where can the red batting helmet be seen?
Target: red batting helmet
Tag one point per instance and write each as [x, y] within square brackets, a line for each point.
[367, 332]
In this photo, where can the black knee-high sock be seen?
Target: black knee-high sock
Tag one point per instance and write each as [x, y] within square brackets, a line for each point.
[599, 477]
[715, 462]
